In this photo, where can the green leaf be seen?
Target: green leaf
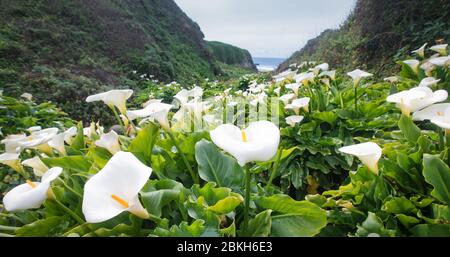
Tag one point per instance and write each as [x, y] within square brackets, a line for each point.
[293, 218]
[196, 229]
[410, 131]
[142, 145]
[373, 226]
[260, 226]
[229, 231]
[78, 141]
[76, 163]
[398, 205]
[214, 166]
[51, 226]
[100, 156]
[156, 200]
[431, 230]
[227, 204]
[329, 117]
[437, 174]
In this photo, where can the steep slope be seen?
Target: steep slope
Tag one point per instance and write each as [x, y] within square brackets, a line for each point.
[64, 50]
[373, 33]
[231, 55]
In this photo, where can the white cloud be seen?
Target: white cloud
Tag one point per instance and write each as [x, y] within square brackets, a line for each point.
[269, 28]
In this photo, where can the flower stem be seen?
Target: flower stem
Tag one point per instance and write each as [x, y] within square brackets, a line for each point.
[6, 235]
[274, 169]
[118, 119]
[70, 212]
[154, 218]
[247, 198]
[70, 188]
[183, 156]
[356, 98]
[441, 133]
[8, 228]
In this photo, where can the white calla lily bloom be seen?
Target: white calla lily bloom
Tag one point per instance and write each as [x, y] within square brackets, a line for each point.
[368, 153]
[413, 64]
[428, 82]
[392, 79]
[39, 168]
[441, 49]
[357, 75]
[287, 98]
[298, 104]
[30, 195]
[157, 110]
[69, 134]
[305, 78]
[440, 61]
[110, 142]
[293, 120]
[39, 140]
[258, 142]
[416, 99]
[294, 87]
[443, 121]
[277, 90]
[330, 74]
[12, 142]
[27, 96]
[57, 142]
[12, 160]
[34, 129]
[115, 189]
[430, 112]
[421, 51]
[117, 98]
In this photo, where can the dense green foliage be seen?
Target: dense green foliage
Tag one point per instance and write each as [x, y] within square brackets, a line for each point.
[64, 51]
[231, 55]
[376, 32]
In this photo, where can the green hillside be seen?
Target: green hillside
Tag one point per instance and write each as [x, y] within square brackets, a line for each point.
[231, 55]
[378, 32]
[65, 50]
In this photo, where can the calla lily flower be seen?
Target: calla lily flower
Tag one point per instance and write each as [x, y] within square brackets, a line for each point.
[330, 74]
[69, 134]
[294, 87]
[156, 110]
[12, 160]
[392, 79]
[358, 74]
[417, 98]
[12, 142]
[440, 61]
[421, 51]
[27, 96]
[57, 142]
[258, 142]
[428, 82]
[287, 98]
[151, 101]
[305, 78]
[112, 98]
[34, 129]
[321, 67]
[430, 112]
[260, 99]
[30, 195]
[297, 104]
[287, 74]
[293, 120]
[277, 90]
[109, 141]
[39, 168]
[368, 153]
[441, 49]
[115, 189]
[184, 95]
[39, 140]
[413, 64]
[442, 121]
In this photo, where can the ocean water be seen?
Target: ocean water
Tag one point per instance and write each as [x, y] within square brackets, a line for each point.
[267, 64]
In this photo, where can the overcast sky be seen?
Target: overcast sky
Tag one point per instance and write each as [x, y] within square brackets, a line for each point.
[267, 28]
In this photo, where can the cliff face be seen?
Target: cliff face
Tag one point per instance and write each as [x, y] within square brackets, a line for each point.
[231, 55]
[61, 49]
[373, 33]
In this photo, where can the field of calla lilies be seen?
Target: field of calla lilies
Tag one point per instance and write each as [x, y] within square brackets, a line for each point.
[308, 152]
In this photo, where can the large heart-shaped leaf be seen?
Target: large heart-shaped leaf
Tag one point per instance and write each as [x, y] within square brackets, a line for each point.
[293, 218]
[437, 174]
[142, 145]
[214, 166]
